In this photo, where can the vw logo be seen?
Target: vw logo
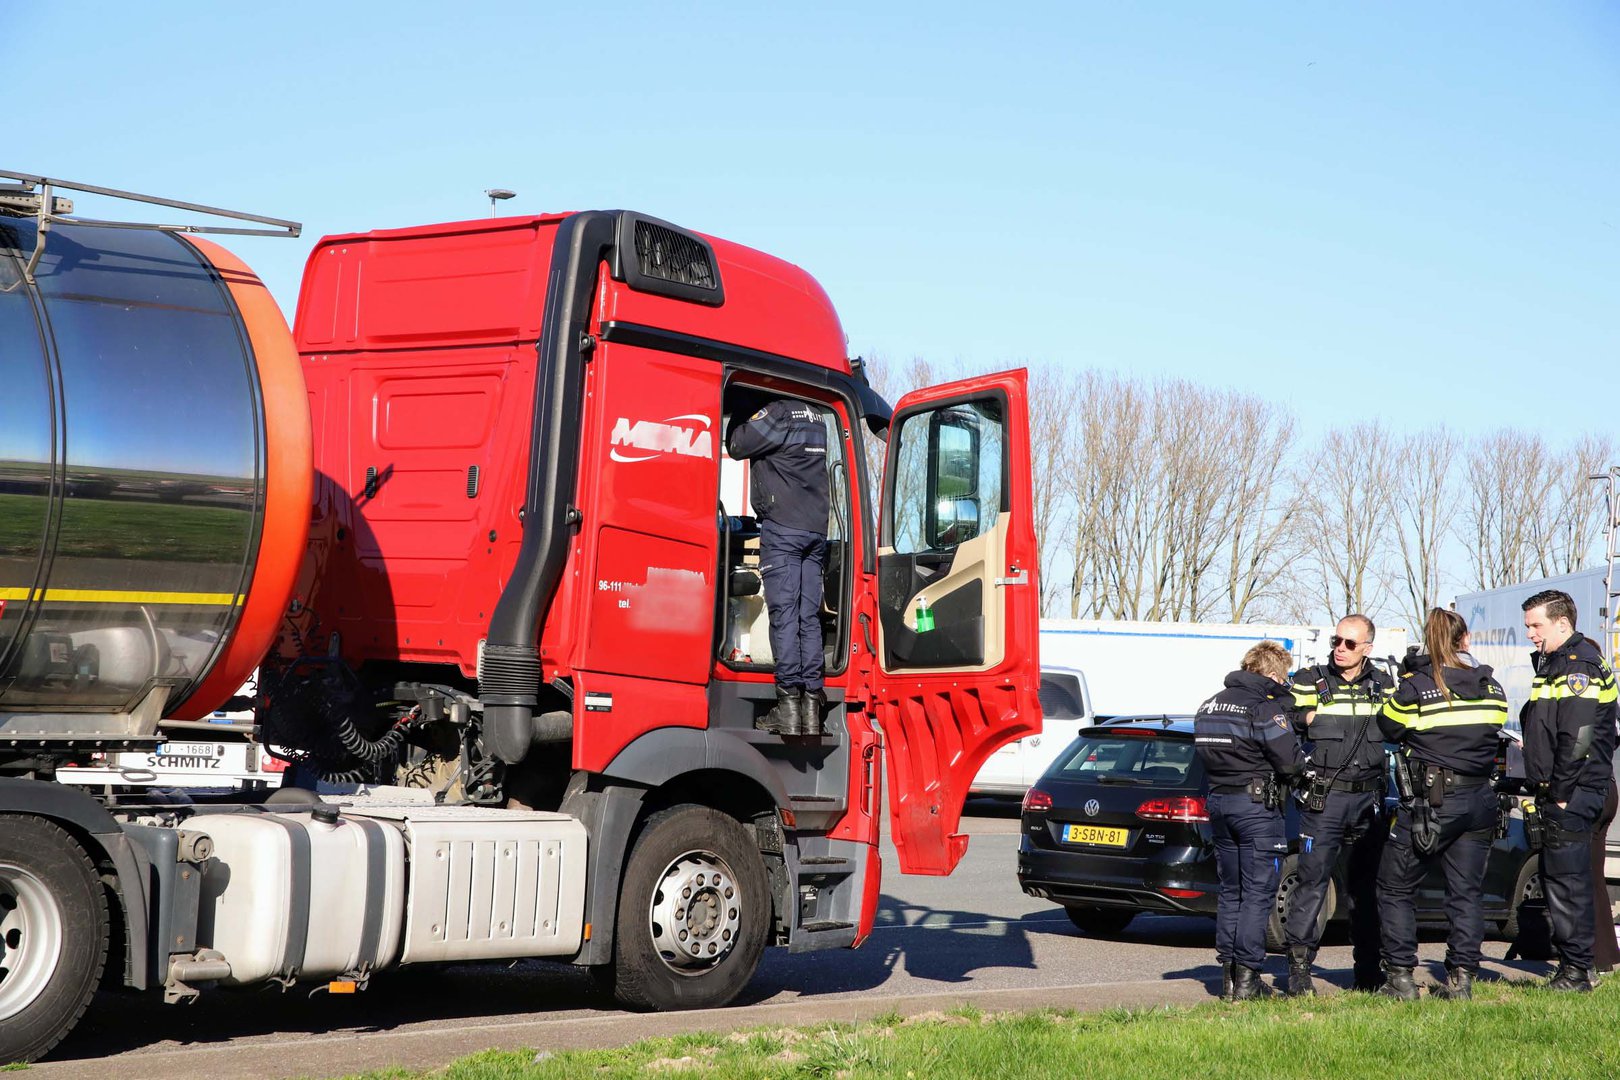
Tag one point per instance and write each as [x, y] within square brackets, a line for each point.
[1092, 807]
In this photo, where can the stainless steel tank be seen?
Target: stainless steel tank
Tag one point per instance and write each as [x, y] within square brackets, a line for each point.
[154, 478]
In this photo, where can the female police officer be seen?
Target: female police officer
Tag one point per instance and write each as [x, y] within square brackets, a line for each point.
[1245, 739]
[1446, 713]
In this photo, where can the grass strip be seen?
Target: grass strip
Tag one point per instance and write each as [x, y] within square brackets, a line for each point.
[1505, 1032]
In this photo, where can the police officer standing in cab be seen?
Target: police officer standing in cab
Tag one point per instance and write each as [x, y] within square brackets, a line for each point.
[1245, 739]
[786, 442]
[1337, 707]
[1569, 738]
[1447, 714]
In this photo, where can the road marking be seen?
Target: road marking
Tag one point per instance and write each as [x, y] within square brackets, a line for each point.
[928, 923]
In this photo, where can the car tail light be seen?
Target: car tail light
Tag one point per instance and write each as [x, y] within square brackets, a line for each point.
[1180, 808]
[1036, 799]
[1181, 894]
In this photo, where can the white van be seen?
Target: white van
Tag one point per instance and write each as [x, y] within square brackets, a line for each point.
[1065, 709]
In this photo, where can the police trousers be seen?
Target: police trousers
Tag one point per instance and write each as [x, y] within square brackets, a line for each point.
[1250, 843]
[1466, 821]
[1353, 820]
[792, 563]
[1566, 873]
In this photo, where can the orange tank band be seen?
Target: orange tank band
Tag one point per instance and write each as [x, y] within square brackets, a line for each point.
[288, 489]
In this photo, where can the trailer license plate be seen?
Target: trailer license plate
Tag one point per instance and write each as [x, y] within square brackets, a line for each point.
[1094, 834]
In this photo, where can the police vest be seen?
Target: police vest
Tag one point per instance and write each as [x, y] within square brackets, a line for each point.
[1344, 734]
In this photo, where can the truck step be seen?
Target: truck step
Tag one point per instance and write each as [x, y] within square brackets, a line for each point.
[825, 866]
[826, 926]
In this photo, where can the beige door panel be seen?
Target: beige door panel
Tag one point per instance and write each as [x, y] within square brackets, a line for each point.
[980, 559]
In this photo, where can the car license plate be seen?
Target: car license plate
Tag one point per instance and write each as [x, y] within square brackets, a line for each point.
[1094, 834]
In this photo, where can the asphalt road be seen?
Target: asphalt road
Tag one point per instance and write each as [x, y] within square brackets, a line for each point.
[938, 942]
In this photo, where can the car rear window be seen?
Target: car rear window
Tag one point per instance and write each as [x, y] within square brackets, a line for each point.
[1142, 759]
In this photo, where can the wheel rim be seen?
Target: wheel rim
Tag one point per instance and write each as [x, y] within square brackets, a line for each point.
[1285, 895]
[696, 913]
[30, 938]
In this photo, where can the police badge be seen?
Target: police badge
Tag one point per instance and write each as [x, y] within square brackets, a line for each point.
[1578, 683]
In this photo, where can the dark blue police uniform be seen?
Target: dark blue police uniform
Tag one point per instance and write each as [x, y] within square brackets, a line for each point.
[1569, 743]
[786, 443]
[1347, 753]
[1244, 737]
[1448, 747]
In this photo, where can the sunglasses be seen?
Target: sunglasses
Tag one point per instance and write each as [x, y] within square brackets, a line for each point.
[1349, 643]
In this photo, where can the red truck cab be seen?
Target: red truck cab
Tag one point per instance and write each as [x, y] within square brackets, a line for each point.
[523, 496]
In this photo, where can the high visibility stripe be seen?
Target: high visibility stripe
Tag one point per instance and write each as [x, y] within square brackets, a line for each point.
[1346, 708]
[122, 596]
[1425, 723]
[1555, 692]
[1484, 713]
[1397, 707]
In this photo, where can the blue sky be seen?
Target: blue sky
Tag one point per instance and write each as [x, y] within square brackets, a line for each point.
[1402, 211]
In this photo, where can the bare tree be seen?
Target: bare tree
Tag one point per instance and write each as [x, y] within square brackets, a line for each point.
[1564, 544]
[1507, 479]
[1423, 499]
[1260, 527]
[1348, 511]
[1180, 514]
[1053, 444]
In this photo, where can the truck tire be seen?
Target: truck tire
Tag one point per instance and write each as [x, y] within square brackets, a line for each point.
[1277, 924]
[53, 935]
[694, 909]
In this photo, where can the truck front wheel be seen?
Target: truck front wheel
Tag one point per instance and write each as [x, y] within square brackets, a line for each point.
[53, 935]
[693, 912]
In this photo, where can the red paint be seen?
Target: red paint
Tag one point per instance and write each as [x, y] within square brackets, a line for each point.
[942, 726]
[418, 348]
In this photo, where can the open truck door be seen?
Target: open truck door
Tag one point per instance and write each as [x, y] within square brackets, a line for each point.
[958, 604]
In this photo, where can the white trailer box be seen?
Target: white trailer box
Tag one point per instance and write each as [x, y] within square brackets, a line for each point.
[1496, 631]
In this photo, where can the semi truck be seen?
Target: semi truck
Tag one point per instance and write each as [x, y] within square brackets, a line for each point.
[466, 518]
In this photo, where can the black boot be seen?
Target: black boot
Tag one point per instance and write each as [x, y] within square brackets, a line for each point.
[1368, 981]
[1571, 978]
[1299, 973]
[1398, 984]
[1246, 984]
[788, 716]
[815, 707]
[1459, 985]
[1227, 978]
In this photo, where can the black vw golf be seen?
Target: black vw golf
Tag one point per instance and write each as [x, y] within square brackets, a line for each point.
[1119, 825]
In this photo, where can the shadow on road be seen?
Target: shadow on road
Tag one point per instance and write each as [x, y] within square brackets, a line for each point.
[929, 943]
[117, 1023]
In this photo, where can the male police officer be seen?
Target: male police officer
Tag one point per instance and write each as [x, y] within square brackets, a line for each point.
[1338, 704]
[1245, 740]
[787, 443]
[1569, 738]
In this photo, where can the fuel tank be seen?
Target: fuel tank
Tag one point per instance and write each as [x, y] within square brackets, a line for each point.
[155, 478]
